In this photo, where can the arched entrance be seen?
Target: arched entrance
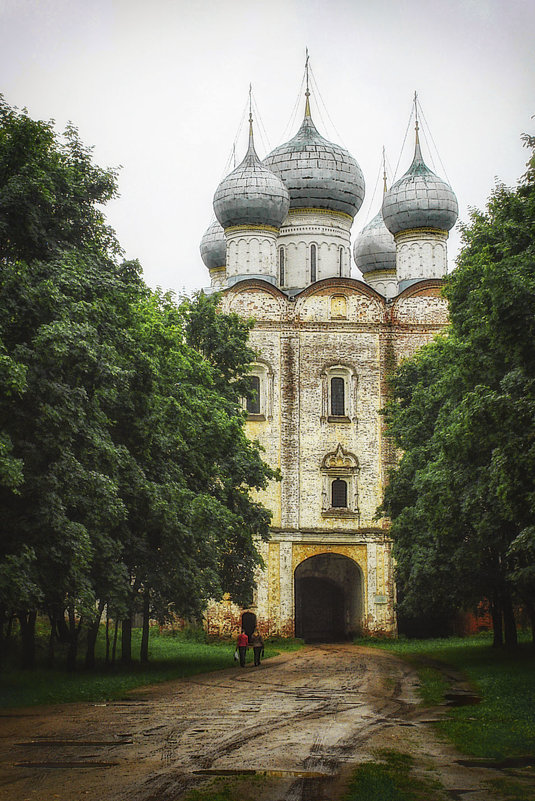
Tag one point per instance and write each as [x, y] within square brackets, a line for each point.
[248, 622]
[328, 598]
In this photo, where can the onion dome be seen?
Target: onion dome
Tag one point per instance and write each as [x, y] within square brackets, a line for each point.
[214, 246]
[251, 194]
[317, 173]
[374, 248]
[420, 199]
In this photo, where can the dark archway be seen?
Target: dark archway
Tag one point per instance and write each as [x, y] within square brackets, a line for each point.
[248, 622]
[328, 598]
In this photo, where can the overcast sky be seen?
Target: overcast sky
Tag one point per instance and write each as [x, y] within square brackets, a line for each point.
[160, 87]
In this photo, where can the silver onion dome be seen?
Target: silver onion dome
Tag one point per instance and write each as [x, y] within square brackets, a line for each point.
[214, 246]
[251, 194]
[420, 199]
[374, 248]
[317, 173]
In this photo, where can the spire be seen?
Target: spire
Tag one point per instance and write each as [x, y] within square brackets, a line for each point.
[385, 187]
[307, 92]
[418, 158]
[251, 155]
[251, 139]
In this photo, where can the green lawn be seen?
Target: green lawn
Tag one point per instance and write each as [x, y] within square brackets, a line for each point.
[503, 724]
[171, 657]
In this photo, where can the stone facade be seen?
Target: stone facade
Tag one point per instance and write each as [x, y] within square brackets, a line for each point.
[336, 328]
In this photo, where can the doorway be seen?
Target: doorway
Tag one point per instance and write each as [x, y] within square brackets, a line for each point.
[328, 598]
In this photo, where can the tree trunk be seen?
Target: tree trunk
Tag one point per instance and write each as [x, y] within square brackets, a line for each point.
[126, 641]
[27, 630]
[497, 624]
[107, 660]
[51, 642]
[511, 640]
[115, 633]
[92, 634]
[74, 630]
[144, 651]
[530, 609]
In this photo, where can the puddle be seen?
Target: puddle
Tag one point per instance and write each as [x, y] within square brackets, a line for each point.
[509, 762]
[72, 764]
[462, 699]
[70, 743]
[279, 774]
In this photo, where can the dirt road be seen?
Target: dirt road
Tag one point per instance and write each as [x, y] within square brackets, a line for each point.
[299, 720]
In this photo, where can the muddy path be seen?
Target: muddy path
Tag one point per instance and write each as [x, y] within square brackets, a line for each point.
[300, 720]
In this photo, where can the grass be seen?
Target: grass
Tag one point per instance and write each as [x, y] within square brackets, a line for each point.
[390, 779]
[171, 657]
[503, 724]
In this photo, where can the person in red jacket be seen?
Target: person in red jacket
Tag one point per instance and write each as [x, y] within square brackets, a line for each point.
[243, 642]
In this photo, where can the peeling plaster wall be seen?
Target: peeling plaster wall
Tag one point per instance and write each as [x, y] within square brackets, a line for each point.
[339, 324]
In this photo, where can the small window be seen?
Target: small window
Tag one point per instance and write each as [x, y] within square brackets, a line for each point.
[313, 266]
[252, 401]
[339, 494]
[341, 261]
[337, 397]
[281, 266]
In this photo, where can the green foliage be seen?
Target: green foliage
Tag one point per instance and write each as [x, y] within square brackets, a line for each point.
[173, 655]
[463, 411]
[502, 725]
[50, 191]
[125, 472]
[390, 779]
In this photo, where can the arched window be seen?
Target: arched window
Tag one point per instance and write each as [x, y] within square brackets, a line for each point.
[341, 260]
[339, 494]
[340, 484]
[338, 396]
[281, 266]
[313, 264]
[252, 401]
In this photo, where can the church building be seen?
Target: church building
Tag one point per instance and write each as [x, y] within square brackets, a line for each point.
[280, 251]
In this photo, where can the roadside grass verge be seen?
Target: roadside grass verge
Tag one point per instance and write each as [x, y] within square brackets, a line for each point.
[390, 779]
[172, 656]
[502, 726]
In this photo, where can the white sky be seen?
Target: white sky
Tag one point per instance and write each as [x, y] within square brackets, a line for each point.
[159, 87]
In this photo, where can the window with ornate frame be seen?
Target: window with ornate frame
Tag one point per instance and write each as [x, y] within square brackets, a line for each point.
[339, 393]
[339, 471]
[259, 403]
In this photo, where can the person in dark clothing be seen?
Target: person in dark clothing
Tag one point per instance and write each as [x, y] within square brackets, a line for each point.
[258, 646]
[243, 642]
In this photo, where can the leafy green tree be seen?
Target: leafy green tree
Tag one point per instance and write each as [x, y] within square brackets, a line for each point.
[50, 191]
[125, 473]
[192, 536]
[463, 412]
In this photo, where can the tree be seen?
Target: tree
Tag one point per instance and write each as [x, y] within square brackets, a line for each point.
[463, 412]
[125, 473]
[192, 536]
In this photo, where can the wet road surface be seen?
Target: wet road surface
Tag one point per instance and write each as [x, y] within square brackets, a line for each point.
[300, 719]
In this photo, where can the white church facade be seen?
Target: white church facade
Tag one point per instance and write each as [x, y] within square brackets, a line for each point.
[280, 251]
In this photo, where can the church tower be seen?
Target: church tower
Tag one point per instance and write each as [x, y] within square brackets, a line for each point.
[280, 252]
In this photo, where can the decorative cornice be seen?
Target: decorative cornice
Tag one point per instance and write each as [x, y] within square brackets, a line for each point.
[420, 232]
[320, 211]
[237, 228]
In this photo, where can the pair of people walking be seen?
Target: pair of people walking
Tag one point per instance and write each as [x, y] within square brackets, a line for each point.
[255, 641]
